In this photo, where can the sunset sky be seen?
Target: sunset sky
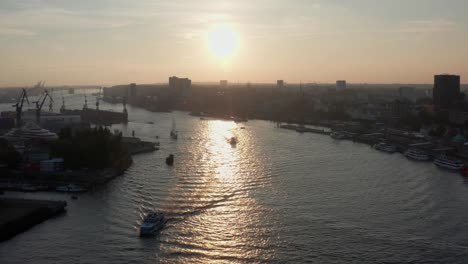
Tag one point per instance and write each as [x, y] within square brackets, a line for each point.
[104, 42]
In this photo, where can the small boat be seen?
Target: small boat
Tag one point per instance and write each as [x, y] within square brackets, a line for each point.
[151, 123]
[389, 148]
[447, 162]
[173, 130]
[233, 141]
[170, 160]
[70, 188]
[417, 154]
[152, 223]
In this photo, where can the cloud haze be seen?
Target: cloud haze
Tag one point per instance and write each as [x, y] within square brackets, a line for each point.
[122, 41]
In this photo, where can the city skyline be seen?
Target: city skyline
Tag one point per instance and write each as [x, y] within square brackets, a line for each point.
[118, 42]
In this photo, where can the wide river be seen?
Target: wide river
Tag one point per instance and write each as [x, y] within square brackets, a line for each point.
[277, 197]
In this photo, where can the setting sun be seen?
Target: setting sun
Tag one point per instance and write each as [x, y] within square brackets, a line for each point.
[222, 42]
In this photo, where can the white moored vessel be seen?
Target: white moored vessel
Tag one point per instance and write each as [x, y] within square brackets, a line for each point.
[385, 147]
[448, 162]
[417, 154]
[70, 188]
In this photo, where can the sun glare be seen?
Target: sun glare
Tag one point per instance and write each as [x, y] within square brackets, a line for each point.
[222, 42]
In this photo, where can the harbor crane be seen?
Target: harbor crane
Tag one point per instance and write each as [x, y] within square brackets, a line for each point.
[40, 103]
[19, 107]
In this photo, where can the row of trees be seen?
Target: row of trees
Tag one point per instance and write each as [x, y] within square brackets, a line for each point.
[8, 155]
[95, 148]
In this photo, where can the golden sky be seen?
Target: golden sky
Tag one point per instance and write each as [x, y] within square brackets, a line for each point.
[104, 42]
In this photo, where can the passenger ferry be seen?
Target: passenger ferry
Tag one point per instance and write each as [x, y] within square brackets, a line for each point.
[448, 162]
[153, 223]
[417, 154]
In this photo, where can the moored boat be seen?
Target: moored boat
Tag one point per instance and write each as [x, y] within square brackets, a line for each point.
[417, 154]
[385, 147]
[70, 188]
[447, 162]
[28, 188]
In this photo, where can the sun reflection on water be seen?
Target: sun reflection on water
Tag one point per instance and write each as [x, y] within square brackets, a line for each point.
[218, 219]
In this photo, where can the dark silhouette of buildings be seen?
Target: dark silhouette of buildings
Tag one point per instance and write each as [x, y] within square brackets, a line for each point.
[180, 87]
[446, 91]
[223, 84]
[340, 85]
[131, 91]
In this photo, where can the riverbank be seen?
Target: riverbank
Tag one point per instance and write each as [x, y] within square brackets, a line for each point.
[17, 215]
[49, 182]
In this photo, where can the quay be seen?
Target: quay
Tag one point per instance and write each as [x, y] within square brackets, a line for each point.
[18, 215]
[302, 129]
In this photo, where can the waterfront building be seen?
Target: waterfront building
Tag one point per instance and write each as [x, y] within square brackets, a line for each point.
[131, 90]
[401, 109]
[279, 84]
[180, 87]
[407, 93]
[458, 117]
[340, 85]
[446, 91]
[223, 84]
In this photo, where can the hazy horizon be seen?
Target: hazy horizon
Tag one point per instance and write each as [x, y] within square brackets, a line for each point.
[117, 42]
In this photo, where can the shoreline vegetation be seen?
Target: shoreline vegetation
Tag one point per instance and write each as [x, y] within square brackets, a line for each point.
[90, 157]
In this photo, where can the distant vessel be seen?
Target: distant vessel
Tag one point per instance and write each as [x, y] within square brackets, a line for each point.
[173, 130]
[170, 160]
[385, 147]
[152, 223]
[417, 154]
[70, 188]
[447, 162]
[233, 141]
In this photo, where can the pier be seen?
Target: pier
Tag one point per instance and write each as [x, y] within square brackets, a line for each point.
[18, 215]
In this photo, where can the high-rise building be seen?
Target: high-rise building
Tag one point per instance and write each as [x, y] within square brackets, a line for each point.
[340, 85]
[280, 84]
[180, 86]
[131, 91]
[407, 93]
[223, 84]
[446, 91]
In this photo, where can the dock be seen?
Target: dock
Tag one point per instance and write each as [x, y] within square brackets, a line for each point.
[18, 215]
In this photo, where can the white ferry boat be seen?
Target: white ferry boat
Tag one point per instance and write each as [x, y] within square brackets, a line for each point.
[447, 162]
[152, 223]
[417, 154]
